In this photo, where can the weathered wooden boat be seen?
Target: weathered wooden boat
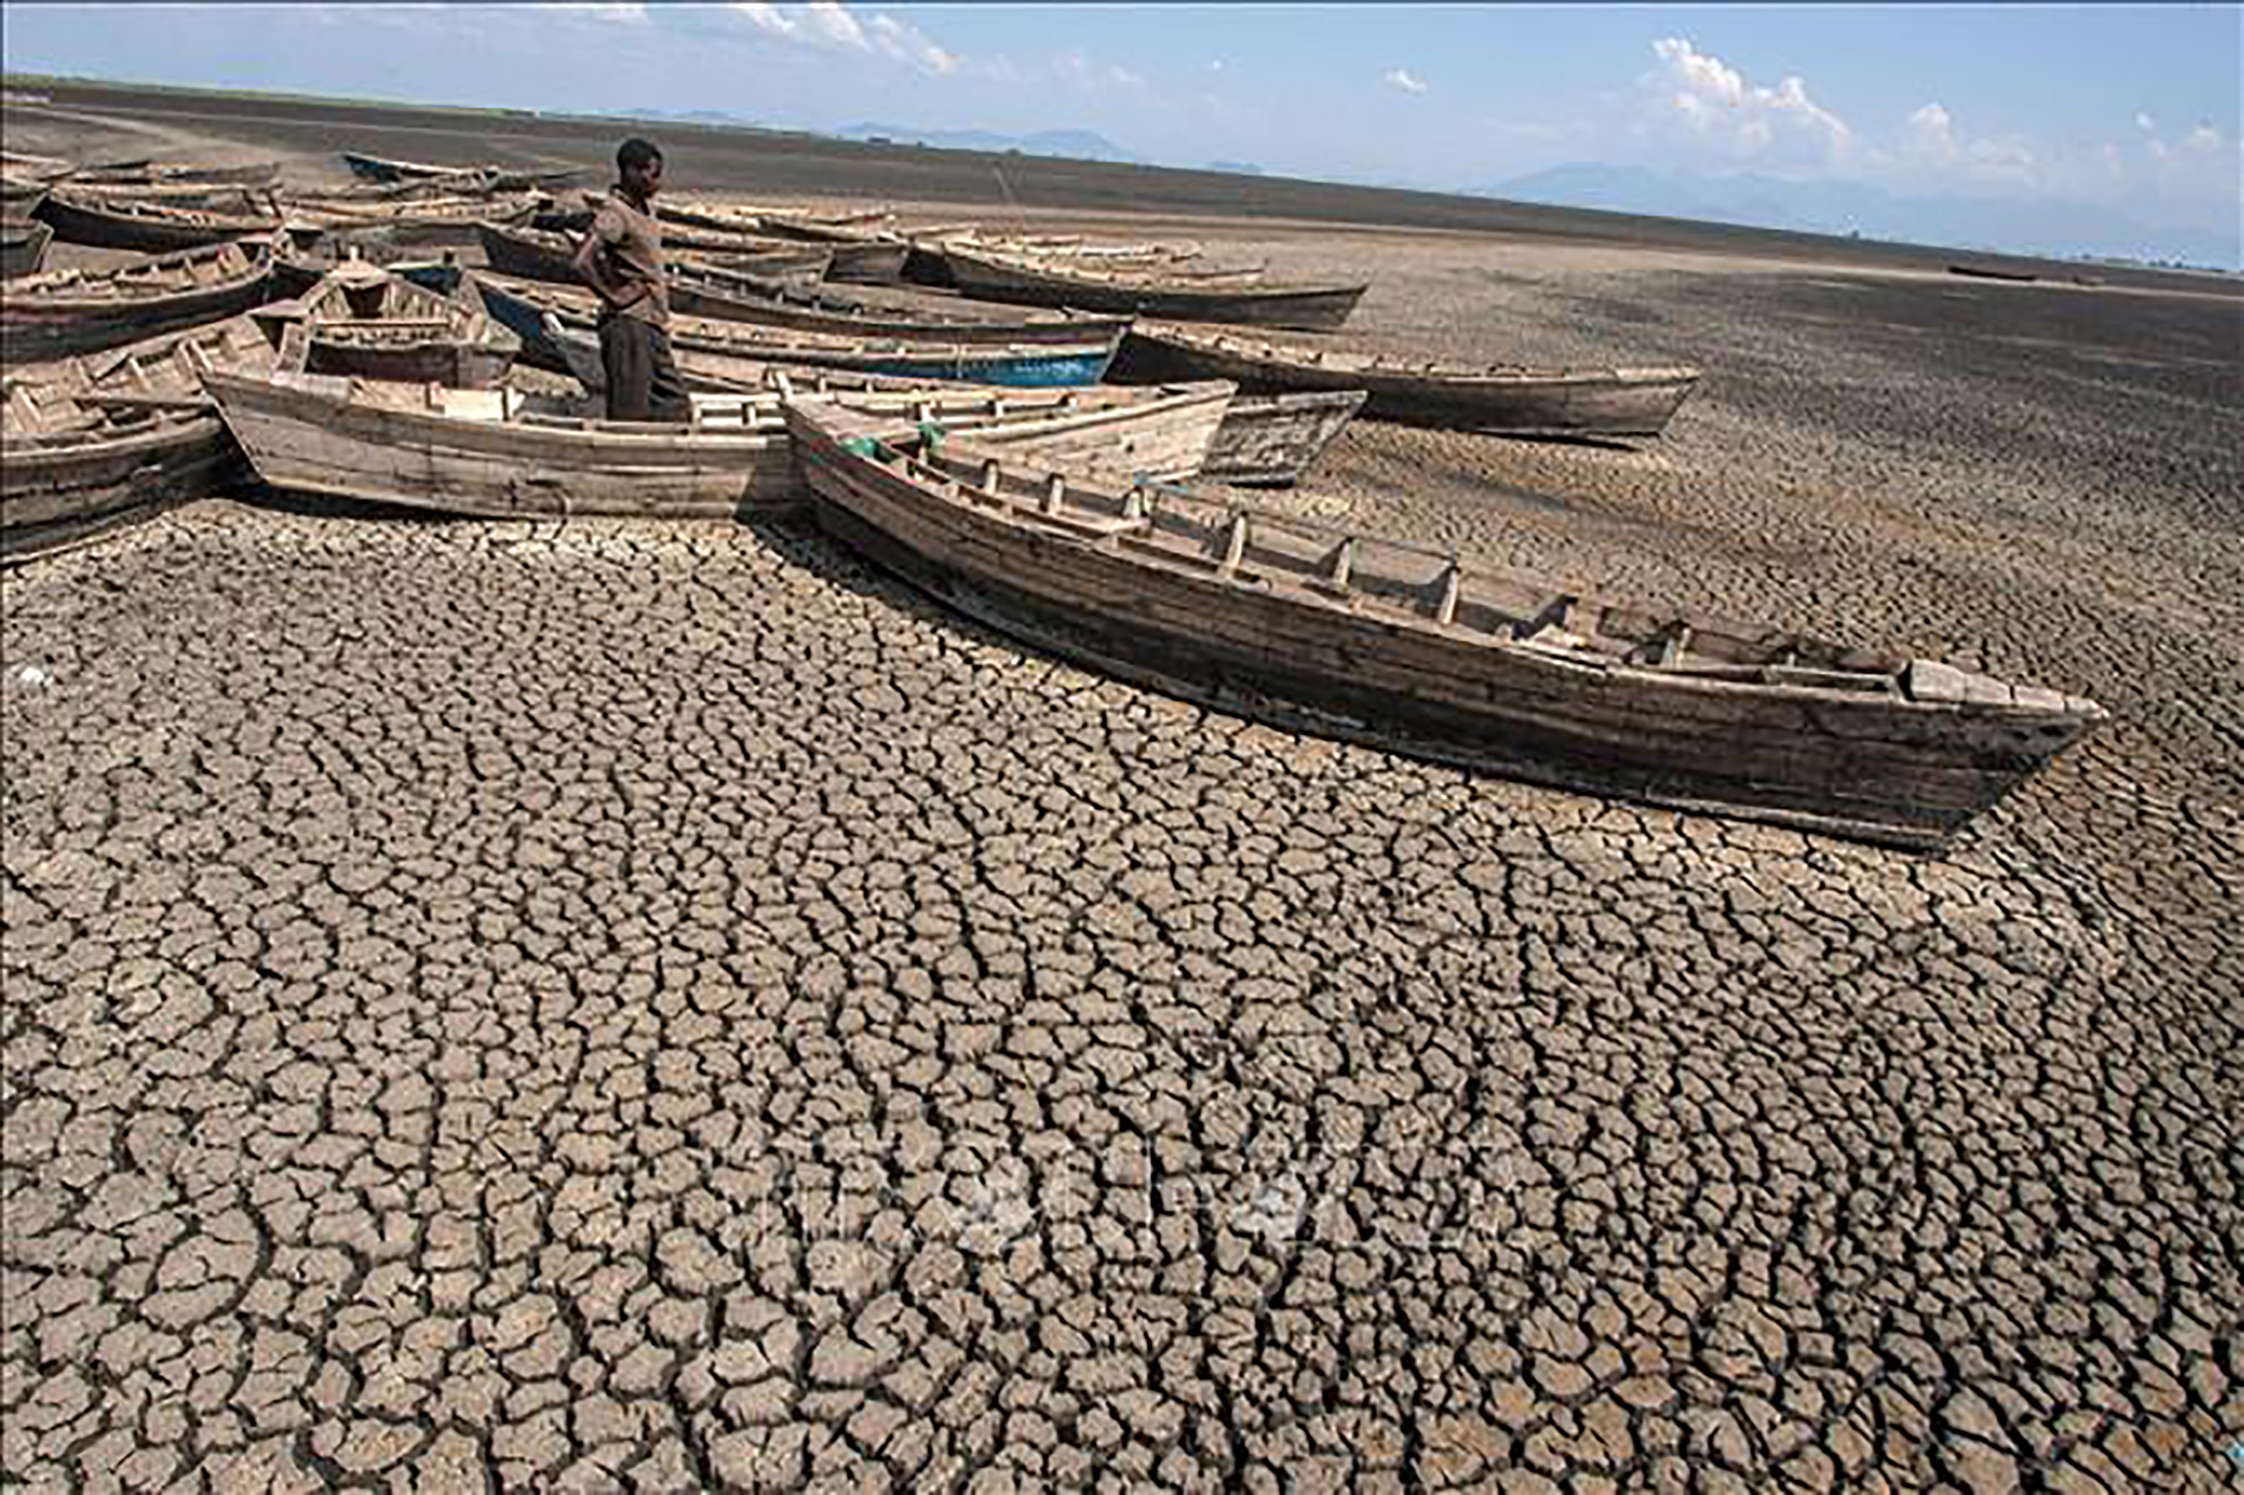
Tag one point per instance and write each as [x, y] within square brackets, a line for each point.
[25, 167]
[1314, 308]
[151, 228]
[360, 320]
[1496, 398]
[534, 255]
[210, 197]
[925, 265]
[1348, 635]
[860, 252]
[93, 443]
[20, 199]
[1269, 441]
[383, 169]
[518, 303]
[714, 355]
[418, 217]
[1994, 272]
[159, 174]
[501, 453]
[23, 248]
[62, 312]
[811, 225]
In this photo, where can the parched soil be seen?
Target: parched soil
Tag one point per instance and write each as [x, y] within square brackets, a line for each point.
[618, 1006]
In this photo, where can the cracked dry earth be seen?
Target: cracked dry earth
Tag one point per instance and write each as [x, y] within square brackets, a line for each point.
[635, 1008]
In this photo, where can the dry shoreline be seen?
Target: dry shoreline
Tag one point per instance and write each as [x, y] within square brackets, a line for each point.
[631, 1006]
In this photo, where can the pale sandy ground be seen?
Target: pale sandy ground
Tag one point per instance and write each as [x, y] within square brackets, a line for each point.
[639, 1007]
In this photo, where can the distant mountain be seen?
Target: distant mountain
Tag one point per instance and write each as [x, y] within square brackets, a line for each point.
[1236, 168]
[2019, 227]
[1079, 145]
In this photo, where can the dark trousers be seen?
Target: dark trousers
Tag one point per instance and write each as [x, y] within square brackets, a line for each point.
[643, 382]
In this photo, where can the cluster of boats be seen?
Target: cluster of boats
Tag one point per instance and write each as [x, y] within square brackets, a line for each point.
[1058, 443]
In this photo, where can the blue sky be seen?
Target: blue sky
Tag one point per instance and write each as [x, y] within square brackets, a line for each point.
[2127, 108]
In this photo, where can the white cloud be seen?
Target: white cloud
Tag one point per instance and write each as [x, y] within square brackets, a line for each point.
[906, 43]
[1720, 109]
[1401, 78]
[829, 25]
[622, 12]
[2145, 123]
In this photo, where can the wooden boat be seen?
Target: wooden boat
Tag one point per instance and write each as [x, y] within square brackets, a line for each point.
[532, 255]
[383, 169]
[1268, 441]
[159, 174]
[411, 212]
[23, 248]
[20, 199]
[925, 265]
[501, 453]
[1349, 635]
[152, 228]
[1994, 272]
[361, 320]
[1499, 398]
[725, 356]
[861, 253]
[94, 443]
[77, 311]
[29, 168]
[1315, 308]
[492, 178]
[820, 313]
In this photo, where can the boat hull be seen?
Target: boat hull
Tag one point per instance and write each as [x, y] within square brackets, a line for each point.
[39, 328]
[57, 494]
[1897, 773]
[1309, 309]
[521, 309]
[23, 248]
[150, 231]
[1558, 402]
[302, 439]
[1269, 441]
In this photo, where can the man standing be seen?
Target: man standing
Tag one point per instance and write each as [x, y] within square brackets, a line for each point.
[621, 259]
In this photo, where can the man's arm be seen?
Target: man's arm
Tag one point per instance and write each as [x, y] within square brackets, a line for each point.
[592, 269]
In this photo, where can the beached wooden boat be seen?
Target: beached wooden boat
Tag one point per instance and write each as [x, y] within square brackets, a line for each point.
[1313, 308]
[25, 167]
[535, 255]
[1269, 441]
[361, 320]
[1994, 272]
[862, 252]
[1497, 398]
[191, 174]
[151, 228]
[490, 177]
[501, 453]
[20, 199]
[729, 357]
[92, 443]
[925, 265]
[23, 248]
[820, 313]
[416, 218]
[96, 469]
[1348, 635]
[62, 312]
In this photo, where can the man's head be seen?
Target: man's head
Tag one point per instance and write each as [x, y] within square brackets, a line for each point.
[639, 166]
